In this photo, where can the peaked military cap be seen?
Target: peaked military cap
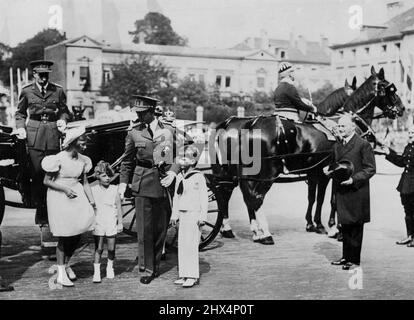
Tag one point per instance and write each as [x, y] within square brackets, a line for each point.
[41, 66]
[143, 103]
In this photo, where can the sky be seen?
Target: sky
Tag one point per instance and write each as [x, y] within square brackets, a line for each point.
[206, 23]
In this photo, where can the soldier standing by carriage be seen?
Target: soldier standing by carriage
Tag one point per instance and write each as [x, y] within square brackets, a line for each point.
[44, 104]
[149, 184]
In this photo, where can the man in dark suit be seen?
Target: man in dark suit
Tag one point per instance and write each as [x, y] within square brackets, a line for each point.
[353, 199]
[149, 185]
[44, 103]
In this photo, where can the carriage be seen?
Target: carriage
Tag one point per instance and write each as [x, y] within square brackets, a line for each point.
[103, 142]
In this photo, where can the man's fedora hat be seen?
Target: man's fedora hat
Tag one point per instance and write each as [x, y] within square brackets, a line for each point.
[41, 66]
[342, 170]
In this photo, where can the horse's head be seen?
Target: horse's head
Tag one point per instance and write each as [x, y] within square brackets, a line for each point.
[386, 97]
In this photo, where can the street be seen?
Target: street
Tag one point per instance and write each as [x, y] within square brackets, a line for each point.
[296, 267]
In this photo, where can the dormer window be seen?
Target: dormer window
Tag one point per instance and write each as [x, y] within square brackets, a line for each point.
[341, 54]
[367, 50]
[282, 54]
[384, 48]
[354, 53]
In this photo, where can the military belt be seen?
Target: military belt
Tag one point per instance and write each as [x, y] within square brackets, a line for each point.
[43, 117]
[144, 163]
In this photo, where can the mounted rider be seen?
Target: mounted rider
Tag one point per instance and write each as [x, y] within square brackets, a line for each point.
[286, 97]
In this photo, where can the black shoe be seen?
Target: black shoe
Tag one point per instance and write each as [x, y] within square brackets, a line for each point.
[141, 269]
[340, 237]
[349, 265]
[404, 241]
[339, 262]
[267, 241]
[227, 234]
[148, 279]
[310, 228]
[320, 229]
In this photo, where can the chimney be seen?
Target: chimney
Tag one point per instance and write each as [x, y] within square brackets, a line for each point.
[264, 40]
[394, 8]
[325, 44]
[301, 44]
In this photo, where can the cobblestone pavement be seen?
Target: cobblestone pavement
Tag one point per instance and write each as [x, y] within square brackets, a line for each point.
[297, 267]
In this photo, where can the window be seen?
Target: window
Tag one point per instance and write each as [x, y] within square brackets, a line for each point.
[282, 54]
[354, 53]
[201, 78]
[218, 81]
[84, 78]
[228, 81]
[384, 48]
[192, 77]
[398, 45]
[260, 82]
[367, 50]
[341, 54]
[106, 76]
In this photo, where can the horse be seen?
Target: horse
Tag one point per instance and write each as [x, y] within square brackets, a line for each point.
[299, 147]
[230, 128]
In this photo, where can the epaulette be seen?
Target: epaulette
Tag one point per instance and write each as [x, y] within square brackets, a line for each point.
[27, 85]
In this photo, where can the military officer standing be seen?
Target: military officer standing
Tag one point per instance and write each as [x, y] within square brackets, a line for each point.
[44, 103]
[406, 184]
[148, 183]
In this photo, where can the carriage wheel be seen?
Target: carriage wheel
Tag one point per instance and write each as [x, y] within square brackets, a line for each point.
[208, 232]
[2, 204]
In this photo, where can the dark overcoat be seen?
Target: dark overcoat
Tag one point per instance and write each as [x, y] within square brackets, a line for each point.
[139, 148]
[406, 161]
[353, 201]
[42, 135]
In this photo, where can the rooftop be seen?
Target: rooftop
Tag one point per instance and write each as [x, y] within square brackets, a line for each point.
[314, 51]
[394, 28]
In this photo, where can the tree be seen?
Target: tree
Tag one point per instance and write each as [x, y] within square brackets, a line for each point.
[142, 75]
[156, 29]
[31, 49]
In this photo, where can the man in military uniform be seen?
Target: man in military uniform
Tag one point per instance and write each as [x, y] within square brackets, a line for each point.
[44, 103]
[149, 183]
[406, 185]
[286, 98]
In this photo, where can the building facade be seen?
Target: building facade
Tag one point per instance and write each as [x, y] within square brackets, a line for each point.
[83, 65]
[389, 46]
[311, 58]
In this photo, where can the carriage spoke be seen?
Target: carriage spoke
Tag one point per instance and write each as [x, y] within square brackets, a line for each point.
[209, 224]
[128, 212]
[132, 223]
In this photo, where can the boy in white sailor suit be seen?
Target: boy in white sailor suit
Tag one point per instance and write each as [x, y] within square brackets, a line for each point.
[190, 206]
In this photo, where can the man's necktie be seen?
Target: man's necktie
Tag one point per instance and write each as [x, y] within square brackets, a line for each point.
[43, 91]
[150, 131]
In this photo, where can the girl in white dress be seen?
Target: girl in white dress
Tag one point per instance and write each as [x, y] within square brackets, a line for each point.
[69, 203]
[108, 218]
[190, 206]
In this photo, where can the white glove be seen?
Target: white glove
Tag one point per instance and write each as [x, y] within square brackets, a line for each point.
[121, 190]
[167, 180]
[61, 125]
[21, 133]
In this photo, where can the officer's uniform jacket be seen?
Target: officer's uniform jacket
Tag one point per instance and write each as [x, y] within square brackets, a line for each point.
[42, 135]
[406, 161]
[139, 163]
[287, 99]
[194, 197]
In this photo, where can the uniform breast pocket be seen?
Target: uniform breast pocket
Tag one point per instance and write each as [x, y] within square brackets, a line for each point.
[140, 145]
